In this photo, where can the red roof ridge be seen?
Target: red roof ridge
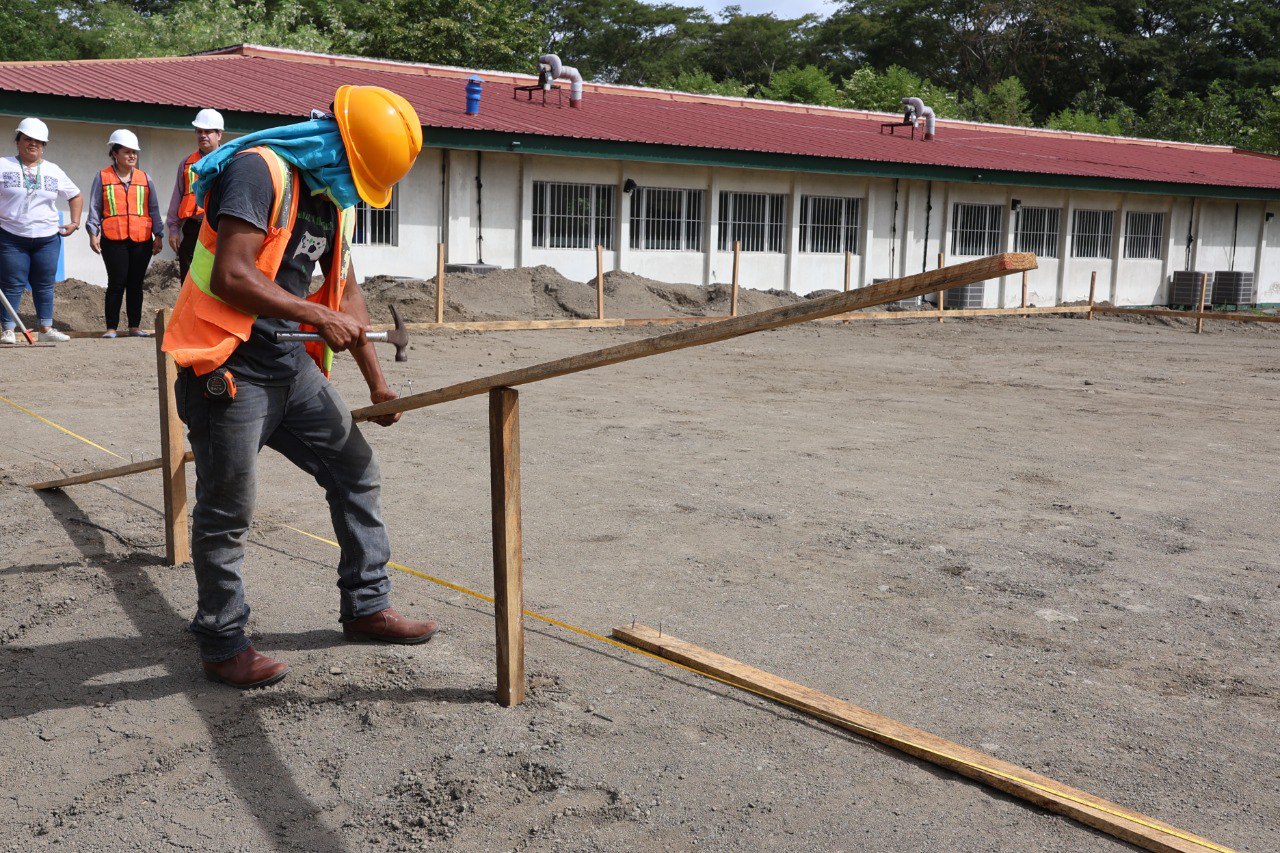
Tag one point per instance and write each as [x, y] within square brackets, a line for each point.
[30, 63]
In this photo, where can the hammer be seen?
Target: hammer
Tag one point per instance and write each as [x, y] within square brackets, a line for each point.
[398, 336]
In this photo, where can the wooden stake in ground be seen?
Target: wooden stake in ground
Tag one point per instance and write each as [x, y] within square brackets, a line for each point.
[848, 268]
[1093, 811]
[599, 282]
[177, 534]
[1093, 286]
[508, 559]
[439, 282]
[1204, 286]
[1024, 292]
[733, 296]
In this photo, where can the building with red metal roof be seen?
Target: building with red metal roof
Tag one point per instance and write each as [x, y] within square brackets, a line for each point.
[667, 182]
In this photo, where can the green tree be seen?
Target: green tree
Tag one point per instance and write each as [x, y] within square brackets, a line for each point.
[627, 41]
[752, 48]
[1213, 118]
[31, 30]
[504, 35]
[1083, 122]
[191, 26]
[703, 83]
[866, 89]
[808, 85]
[1004, 103]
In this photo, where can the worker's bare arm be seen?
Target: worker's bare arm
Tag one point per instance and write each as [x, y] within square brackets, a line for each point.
[379, 392]
[237, 281]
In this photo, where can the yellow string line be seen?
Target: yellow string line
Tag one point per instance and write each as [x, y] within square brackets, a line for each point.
[1010, 777]
[1176, 833]
[62, 428]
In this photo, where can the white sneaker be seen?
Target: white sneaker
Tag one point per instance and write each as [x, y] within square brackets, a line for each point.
[7, 337]
[54, 335]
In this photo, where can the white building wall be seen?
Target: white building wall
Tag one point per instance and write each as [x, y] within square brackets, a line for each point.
[439, 201]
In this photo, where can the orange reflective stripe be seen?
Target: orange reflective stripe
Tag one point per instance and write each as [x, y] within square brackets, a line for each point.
[189, 206]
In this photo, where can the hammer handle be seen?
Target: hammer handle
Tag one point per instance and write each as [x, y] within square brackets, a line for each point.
[312, 337]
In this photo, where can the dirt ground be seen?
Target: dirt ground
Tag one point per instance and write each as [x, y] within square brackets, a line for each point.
[1048, 539]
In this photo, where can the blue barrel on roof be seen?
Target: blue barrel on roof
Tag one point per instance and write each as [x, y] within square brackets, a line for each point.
[474, 87]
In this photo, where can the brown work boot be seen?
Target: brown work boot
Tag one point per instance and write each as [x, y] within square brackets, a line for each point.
[388, 626]
[247, 670]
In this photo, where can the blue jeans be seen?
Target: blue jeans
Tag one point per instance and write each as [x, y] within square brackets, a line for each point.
[311, 426]
[28, 261]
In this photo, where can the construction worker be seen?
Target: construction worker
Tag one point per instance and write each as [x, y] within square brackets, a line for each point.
[124, 227]
[185, 212]
[277, 204]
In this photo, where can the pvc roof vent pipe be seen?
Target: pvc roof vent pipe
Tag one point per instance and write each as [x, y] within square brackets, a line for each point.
[915, 110]
[560, 71]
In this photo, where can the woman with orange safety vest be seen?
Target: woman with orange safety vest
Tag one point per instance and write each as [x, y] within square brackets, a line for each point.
[124, 227]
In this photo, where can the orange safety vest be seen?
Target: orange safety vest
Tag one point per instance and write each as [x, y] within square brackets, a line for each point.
[204, 330]
[188, 206]
[124, 212]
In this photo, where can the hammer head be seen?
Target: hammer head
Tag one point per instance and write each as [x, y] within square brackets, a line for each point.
[399, 336]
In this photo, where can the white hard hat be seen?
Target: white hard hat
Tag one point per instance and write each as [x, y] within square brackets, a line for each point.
[127, 138]
[208, 119]
[34, 128]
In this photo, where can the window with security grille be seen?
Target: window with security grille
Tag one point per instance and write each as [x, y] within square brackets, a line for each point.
[975, 229]
[756, 219]
[666, 219]
[1091, 234]
[829, 224]
[378, 227]
[572, 216]
[1038, 231]
[1143, 235]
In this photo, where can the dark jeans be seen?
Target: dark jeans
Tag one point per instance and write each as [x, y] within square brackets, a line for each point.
[33, 261]
[311, 426]
[187, 248]
[127, 263]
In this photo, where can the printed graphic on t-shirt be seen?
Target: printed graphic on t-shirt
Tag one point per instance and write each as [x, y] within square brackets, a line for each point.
[50, 184]
[12, 180]
[311, 247]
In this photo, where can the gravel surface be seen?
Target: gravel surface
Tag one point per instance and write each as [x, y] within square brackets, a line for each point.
[1047, 539]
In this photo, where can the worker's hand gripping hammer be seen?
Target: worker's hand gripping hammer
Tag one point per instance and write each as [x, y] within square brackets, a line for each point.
[399, 336]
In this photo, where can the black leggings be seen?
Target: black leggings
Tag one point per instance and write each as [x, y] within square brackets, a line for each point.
[127, 264]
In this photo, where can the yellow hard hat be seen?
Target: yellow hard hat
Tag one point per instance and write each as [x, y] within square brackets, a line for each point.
[382, 135]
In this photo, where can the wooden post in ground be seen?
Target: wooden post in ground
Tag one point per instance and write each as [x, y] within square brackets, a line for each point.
[1024, 292]
[733, 297]
[1093, 287]
[942, 294]
[1204, 286]
[439, 282]
[599, 282]
[508, 559]
[848, 267]
[177, 534]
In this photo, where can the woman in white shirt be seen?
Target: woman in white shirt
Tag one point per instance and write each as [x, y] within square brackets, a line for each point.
[30, 235]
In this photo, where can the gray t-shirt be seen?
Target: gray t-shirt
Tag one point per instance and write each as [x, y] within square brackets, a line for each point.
[244, 191]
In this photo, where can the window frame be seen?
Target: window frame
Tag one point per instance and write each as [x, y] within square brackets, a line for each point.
[846, 233]
[1151, 240]
[376, 221]
[1043, 240]
[598, 225]
[765, 236]
[688, 228]
[987, 237]
[1082, 241]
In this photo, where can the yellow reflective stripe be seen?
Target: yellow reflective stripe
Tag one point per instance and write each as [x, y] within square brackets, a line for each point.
[111, 199]
[201, 270]
[140, 200]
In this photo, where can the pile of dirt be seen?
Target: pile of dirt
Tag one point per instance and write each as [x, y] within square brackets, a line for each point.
[81, 307]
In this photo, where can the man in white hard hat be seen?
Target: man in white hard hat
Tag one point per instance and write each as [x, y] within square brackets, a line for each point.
[185, 211]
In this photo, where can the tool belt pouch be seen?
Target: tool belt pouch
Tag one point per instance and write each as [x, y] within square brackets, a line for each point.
[220, 386]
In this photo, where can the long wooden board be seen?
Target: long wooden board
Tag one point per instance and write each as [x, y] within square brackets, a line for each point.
[108, 473]
[773, 318]
[967, 312]
[1098, 813]
[1188, 315]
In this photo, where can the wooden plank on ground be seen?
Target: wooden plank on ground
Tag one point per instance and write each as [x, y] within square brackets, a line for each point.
[1101, 814]
[1188, 315]
[107, 473]
[773, 318]
[966, 312]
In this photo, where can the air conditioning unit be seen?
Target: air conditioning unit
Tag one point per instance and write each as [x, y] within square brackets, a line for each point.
[1233, 288]
[966, 295]
[1185, 289]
